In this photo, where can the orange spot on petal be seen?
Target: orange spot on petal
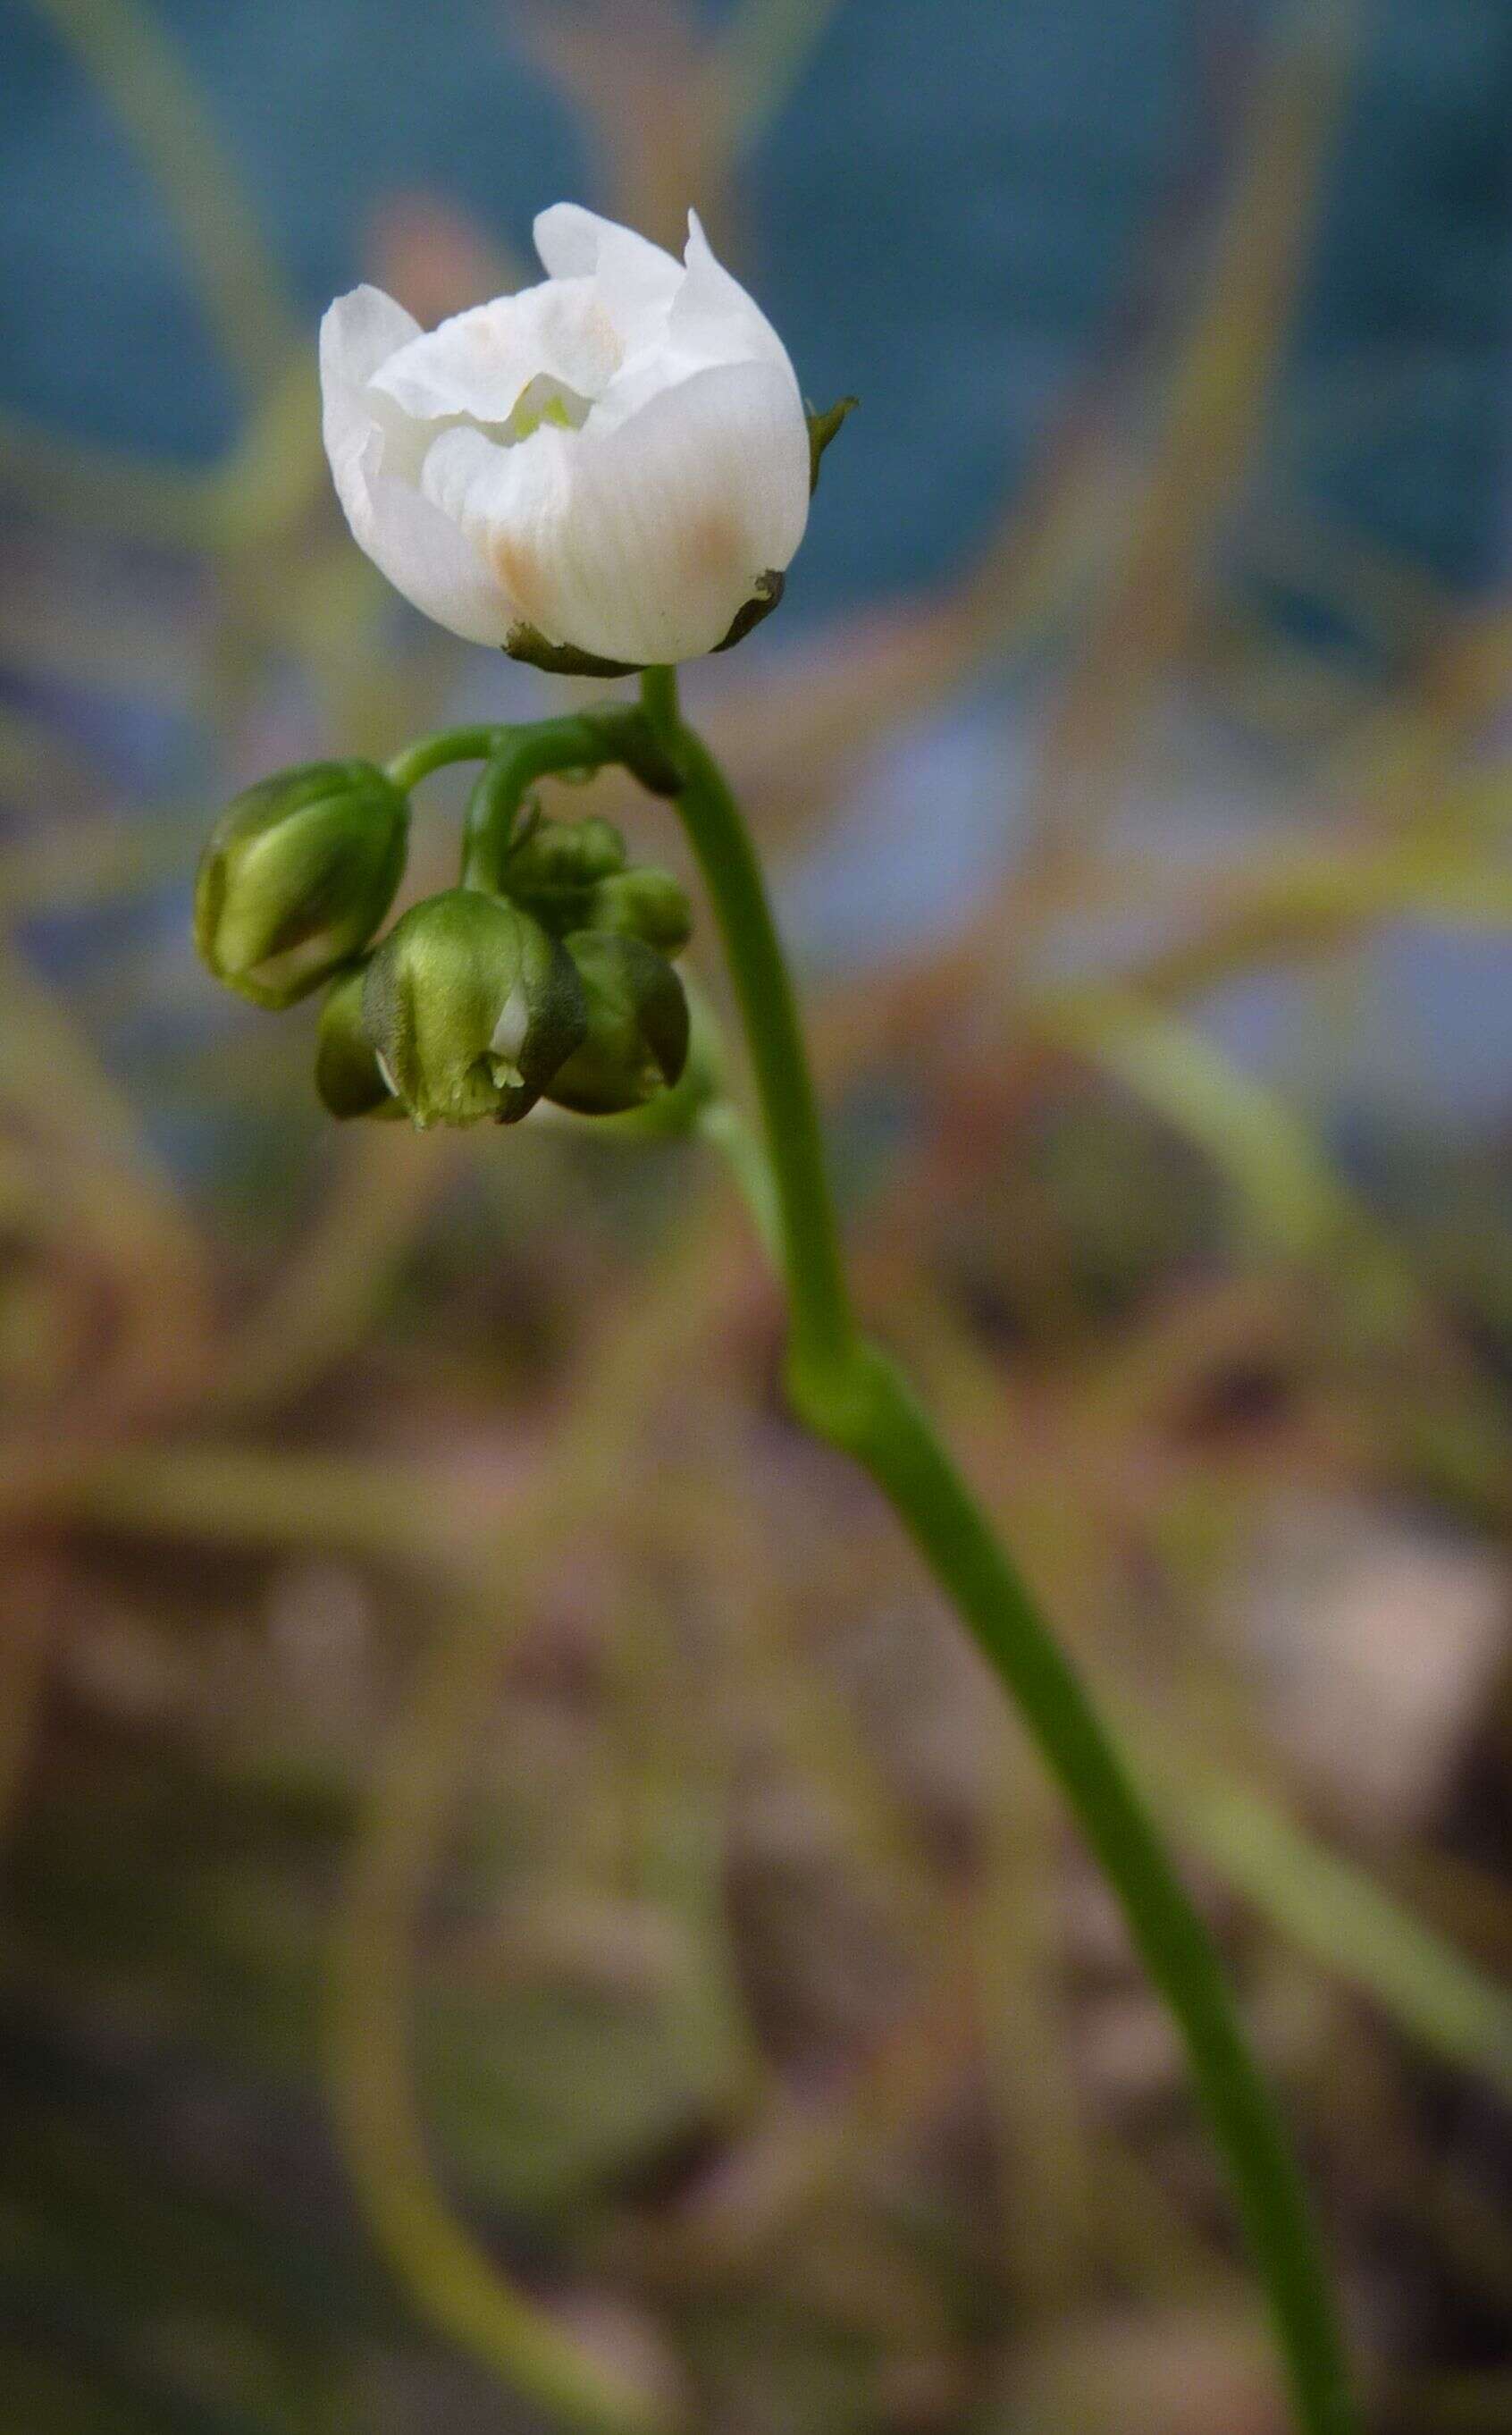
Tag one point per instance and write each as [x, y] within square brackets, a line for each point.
[517, 569]
[709, 543]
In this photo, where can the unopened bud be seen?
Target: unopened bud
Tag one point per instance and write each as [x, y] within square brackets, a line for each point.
[470, 1008]
[648, 904]
[636, 1040]
[347, 1075]
[297, 876]
[557, 856]
[677, 1111]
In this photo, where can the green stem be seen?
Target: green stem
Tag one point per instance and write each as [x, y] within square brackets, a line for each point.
[824, 1331]
[850, 1394]
[431, 752]
[516, 757]
[586, 741]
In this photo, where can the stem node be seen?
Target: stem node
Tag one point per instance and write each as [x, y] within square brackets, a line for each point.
[842, 1397]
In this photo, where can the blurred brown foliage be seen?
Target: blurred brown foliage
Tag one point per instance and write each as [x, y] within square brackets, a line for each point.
[462, 1746]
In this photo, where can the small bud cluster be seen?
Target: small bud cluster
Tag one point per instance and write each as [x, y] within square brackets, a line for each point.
[555, 983]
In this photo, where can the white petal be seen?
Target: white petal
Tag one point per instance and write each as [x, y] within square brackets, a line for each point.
[499, 503]
[636, 281]
[711, 320]
[425, 556]
[480, 361]
[642, 544]
[359, 333]
[373, 448]
[509, 1035]
[715, 320]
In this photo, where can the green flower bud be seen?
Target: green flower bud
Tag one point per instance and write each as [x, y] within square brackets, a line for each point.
[555, 865]
[297, 876]
[636, 1042]
[470, 1008]
[559, 855]
[347, 1073]
[677, 1111]
[648, 904]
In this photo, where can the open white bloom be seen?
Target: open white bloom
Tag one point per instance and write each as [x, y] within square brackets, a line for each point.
[614, 458]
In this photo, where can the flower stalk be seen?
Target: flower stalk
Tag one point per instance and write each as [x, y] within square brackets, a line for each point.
[849, 1392]
[824, 1342]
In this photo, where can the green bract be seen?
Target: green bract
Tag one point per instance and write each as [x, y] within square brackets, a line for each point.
[470, 1006]
[636, 1039]
[297, 876]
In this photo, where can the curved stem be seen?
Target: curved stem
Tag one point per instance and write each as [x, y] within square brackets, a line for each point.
[824, 1332]
[431, 752]
[447, 2272]
[850, 1393]
[517, 756]
[520, 755]
[890, 1435]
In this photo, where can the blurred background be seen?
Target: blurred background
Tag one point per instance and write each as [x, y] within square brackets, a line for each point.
[520, 1910]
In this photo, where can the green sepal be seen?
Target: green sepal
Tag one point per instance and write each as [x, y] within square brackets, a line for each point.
[527, 642]
[471, 1006]
[347, 1076]
[768, 592]
[636, 1040]
[822, 429]
[297, 875]
[679, 1108]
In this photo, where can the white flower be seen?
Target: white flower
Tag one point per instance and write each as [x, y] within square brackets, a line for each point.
[614, 458]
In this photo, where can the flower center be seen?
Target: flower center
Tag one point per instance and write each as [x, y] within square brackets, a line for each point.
[544, 399]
